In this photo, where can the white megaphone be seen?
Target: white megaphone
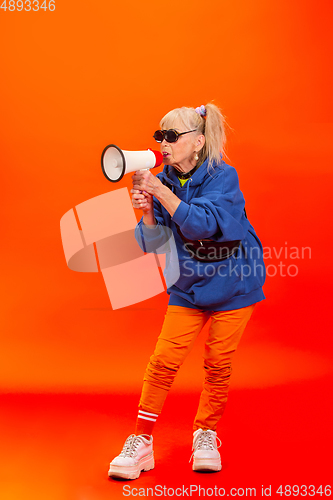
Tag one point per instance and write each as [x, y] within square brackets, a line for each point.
[116, 162]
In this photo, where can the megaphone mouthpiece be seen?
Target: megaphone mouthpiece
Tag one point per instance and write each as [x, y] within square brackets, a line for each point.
[116, 162]
[158, 157]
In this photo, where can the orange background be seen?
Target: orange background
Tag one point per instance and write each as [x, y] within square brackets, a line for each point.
[86, 75]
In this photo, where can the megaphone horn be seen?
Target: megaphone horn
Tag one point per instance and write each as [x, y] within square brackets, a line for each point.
[116, 162]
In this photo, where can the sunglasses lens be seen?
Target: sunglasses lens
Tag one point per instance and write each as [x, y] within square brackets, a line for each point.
[158, 136]
[171, 136]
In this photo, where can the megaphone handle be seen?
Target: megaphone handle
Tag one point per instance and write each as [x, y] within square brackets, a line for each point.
[140, 171]
[141, 192]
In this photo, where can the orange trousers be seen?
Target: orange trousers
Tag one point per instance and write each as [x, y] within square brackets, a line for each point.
[180, 329]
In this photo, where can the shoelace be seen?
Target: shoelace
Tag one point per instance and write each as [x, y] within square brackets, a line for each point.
[205, 441]
[131, 445]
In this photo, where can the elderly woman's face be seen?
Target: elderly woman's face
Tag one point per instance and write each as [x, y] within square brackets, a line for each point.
[181, 153]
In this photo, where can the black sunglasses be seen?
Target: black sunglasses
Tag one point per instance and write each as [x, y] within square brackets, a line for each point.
[170, 135]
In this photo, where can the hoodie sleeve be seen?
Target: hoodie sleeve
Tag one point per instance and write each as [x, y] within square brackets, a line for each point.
[217, 213]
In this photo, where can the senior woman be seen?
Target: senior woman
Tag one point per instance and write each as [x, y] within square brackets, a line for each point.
[195, 203]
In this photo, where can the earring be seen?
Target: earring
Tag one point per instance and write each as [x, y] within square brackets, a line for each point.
[196, 157]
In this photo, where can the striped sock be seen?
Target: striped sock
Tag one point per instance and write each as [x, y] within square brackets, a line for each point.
[145, 422]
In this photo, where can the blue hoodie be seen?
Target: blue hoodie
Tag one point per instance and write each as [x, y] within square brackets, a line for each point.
[211, 207]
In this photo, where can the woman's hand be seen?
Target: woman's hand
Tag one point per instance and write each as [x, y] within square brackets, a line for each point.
[142, 200]
[146, 184]
[143, 180]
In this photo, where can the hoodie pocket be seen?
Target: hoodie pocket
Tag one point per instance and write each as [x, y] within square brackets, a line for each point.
[253, 267]
[236, 273]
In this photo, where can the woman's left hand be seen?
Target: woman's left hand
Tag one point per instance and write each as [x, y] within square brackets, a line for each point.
[143, 180]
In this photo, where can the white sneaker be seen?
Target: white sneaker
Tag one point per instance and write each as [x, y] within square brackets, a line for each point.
[205, 453]
[136, 455]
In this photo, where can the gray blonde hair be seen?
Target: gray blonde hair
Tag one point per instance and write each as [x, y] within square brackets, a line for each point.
[213, 127]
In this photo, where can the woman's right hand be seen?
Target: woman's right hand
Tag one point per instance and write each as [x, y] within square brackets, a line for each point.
[142, 200]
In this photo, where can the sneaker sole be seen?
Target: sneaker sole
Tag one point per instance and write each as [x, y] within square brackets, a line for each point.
[206, 464]
[145, 464]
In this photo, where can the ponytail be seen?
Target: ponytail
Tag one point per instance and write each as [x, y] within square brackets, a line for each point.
[214, 132]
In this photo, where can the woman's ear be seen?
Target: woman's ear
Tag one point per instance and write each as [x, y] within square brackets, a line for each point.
[200, 141]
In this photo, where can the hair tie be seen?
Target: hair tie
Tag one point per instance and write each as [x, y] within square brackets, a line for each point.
[201, 110]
